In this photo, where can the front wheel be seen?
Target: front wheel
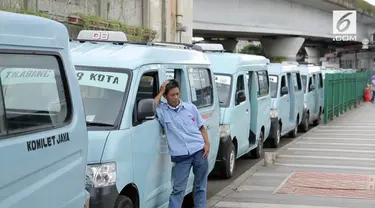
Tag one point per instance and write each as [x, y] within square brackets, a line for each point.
[305, 124]
[230, 163]
[257, 152]
[274, 142]
[123, 202]
[294, 132]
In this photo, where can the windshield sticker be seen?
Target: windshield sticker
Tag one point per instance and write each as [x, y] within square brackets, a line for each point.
[273, 79]
[222, 79]
[90, 118]
[26, 76]
[108, 80]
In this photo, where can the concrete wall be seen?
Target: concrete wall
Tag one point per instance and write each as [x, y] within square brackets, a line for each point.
[159, 15]
[265, 16]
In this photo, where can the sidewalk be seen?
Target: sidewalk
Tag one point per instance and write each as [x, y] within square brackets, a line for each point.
[331, 166]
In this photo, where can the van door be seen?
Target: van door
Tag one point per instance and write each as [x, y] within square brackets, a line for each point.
[241, 122]
[311, 97]
[321, 89]
[152, 163]
[284, 104]
[264, 103]
[43, 135]
[316, 94]
[204, 95]
[292, 100]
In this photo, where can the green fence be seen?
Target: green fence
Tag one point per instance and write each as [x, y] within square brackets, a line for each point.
[342, 91]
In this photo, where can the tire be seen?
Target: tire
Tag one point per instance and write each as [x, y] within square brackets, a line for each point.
[274, 142]
[230, 163]
[258, 151]
[294, 132]
[317, 121]
[305, 124]
[123, 202]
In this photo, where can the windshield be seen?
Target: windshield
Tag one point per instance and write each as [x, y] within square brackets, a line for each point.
[274, 80]
[223, 84]
[102, 93]
[304, 82]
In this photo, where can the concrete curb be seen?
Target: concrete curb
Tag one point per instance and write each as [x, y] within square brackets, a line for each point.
[246, 175]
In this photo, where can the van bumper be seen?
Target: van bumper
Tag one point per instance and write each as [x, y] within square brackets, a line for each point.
[103, 197]
[274, 126]
[223, 150]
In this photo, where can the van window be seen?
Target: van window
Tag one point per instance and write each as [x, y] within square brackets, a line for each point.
[33, 95]
[102, 89]
[311, 81]
[283, 83]
[223, 84]
[304, 82]
[201, 87]
[320, 80]
[295, 82]
[299, 82]
[274, 81]
[148, 88]
[263, 81]
[240, 84]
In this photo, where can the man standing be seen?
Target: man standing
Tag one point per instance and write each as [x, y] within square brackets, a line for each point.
[188, 144]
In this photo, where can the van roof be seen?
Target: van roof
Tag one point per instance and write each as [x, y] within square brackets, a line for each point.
[305, 70]
[278, 68]
[30, 30]
[132, 56]
[228, 63]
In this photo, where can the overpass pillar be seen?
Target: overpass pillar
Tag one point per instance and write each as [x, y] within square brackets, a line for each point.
[228, 44]
[282, 47]
[313, 55]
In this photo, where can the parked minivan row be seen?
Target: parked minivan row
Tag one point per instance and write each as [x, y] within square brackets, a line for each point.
[80, 112]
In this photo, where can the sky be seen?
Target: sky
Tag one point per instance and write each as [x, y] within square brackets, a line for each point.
[371, 1]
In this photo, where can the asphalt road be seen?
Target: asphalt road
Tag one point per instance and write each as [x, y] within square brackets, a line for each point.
[216, 184]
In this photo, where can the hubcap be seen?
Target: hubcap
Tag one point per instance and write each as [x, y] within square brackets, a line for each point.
[231, 161]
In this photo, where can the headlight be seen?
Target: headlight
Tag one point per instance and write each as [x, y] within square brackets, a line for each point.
[305, 106]
[274, 113]
[224, 130]
[101, 175]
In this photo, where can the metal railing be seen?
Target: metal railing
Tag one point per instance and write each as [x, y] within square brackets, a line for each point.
[342, 91]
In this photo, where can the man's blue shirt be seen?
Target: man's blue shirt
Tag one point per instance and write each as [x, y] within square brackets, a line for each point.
[181, 126]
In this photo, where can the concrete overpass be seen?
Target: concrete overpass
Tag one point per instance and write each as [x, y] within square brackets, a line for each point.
[282, 26]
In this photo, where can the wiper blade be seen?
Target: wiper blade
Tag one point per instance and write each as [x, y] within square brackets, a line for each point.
[89, 123]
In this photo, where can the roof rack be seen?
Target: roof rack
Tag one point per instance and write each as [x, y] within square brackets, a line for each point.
[208, 47]
[102, 36]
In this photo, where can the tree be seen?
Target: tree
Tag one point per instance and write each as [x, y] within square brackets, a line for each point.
[253, 49]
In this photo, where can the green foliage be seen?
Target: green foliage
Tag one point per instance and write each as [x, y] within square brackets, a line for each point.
[93, 22]
[23, 11]
[253, 49]
[277, 59]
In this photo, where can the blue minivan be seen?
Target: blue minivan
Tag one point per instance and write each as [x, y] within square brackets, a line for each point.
[43, 134]
[287, 101]
[128, 160]
[245, 102]
[312, 84]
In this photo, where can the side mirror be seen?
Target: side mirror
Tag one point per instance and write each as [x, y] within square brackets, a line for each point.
[240, 97]
[146, 110]
[312, 87]
[284, 90]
